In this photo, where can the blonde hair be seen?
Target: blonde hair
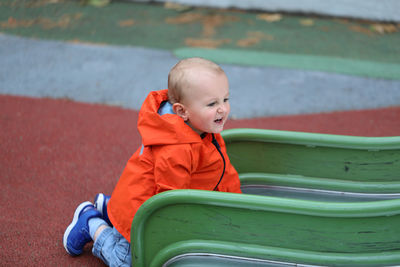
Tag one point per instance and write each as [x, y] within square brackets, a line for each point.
[179, 76]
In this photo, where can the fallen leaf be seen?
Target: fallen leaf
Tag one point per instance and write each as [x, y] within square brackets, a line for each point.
[254, 38]
[62, 22]
[210, 22]
[307, 22]
[270, 17]
[384, 28]
[126, 23]
[99, 3]
[206, 43]
[249, 41]
[176, 6]
[12, 23]
[39, 3]
[77, 41]
[189, 17]
[46, 23]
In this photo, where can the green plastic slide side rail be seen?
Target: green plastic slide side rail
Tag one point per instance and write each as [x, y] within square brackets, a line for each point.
[299, 181]
[321, 229]
[311, 139]
[262, 203]
[288, 257]
[320, 156]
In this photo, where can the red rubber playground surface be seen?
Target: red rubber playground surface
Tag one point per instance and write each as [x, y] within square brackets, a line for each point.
[55, 154]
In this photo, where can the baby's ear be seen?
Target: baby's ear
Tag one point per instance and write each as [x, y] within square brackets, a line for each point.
[180, 110]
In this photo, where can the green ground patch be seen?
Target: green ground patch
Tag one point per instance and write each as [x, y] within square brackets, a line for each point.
[159, 26]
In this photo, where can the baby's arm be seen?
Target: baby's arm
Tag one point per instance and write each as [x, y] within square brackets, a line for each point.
[172, 167]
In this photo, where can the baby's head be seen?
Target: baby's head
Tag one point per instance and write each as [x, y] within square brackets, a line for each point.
[199, 92]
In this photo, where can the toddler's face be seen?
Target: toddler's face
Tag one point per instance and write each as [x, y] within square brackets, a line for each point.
[207, 103]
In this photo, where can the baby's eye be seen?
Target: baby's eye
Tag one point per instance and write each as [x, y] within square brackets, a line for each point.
[211, 104]
[226, 99]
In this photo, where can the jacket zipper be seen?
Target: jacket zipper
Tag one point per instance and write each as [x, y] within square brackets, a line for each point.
[215, 143]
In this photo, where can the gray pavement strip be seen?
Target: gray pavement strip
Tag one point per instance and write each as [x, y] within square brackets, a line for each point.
[123, 76]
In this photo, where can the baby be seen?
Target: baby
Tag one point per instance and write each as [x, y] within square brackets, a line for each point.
[181, 149]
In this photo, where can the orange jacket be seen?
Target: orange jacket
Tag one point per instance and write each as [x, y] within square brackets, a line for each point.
[173, 156]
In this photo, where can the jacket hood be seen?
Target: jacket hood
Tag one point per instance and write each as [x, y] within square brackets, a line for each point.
[166, 129]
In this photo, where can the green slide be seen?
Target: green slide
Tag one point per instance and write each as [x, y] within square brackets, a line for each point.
[309, 199]
[361, 165]
[204, 228]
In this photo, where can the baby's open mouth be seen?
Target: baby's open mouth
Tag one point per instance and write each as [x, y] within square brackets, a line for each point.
[218, 120]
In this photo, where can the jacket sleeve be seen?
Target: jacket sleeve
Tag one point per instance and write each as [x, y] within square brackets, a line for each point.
[172, 167]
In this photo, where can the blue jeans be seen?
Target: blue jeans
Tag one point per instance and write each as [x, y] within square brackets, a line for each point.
[112, 248]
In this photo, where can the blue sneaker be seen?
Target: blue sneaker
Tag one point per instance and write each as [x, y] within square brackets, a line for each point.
[100, 203]
[77, 233]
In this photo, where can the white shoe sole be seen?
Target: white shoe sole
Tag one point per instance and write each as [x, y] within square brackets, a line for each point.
[100, 200]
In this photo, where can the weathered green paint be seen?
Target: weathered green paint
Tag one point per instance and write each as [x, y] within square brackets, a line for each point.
[299, 181]
[348, 163]
[322, 232]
